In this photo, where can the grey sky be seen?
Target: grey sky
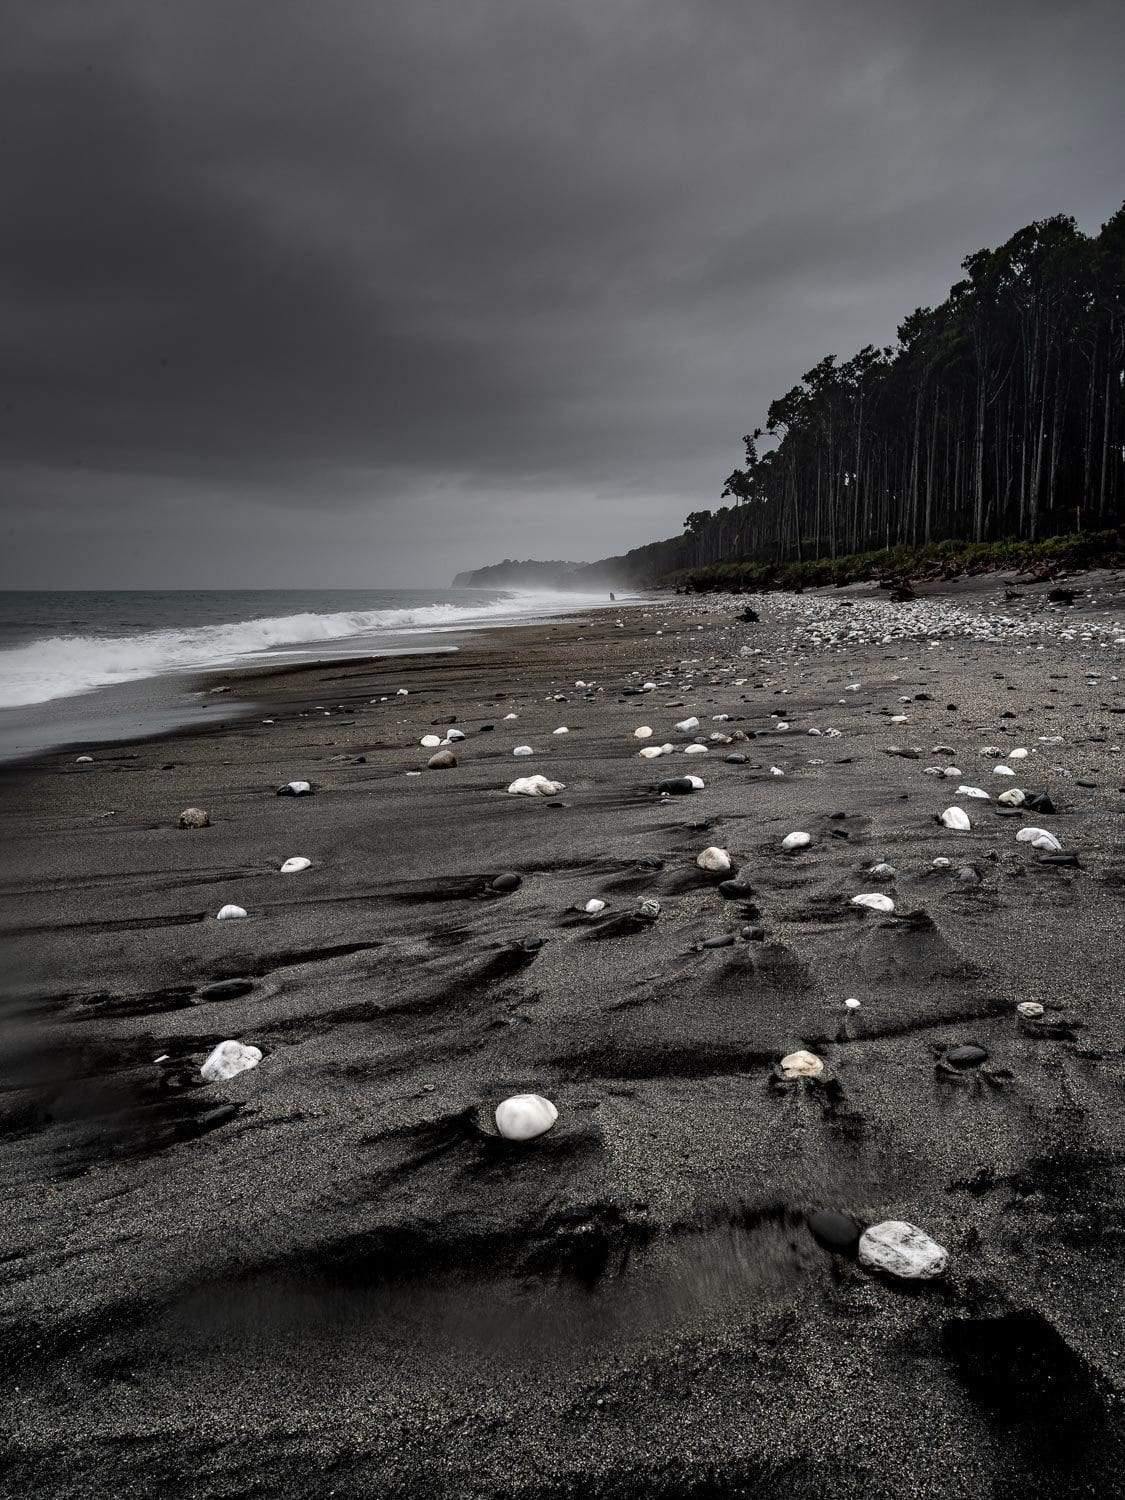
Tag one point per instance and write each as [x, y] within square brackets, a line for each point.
[365, 291]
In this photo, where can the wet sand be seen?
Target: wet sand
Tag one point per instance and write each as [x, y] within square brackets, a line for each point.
[329, 1277]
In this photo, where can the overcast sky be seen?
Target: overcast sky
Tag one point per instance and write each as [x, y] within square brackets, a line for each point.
[362, 292]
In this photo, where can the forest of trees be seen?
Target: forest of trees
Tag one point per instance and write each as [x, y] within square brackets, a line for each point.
[1000, 413]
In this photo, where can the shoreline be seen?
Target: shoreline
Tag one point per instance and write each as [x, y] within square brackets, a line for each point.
[332, 1263]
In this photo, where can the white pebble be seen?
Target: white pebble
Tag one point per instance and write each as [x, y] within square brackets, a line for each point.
[1039, 838]
[535, 786]
[643, 732]
[686, 726]
[524, 1116]
[429, 742]
[228, 1060]
[796, 841]
[523, 750]
[802, 1065]
[230, 913]
[295, 864]
[957, 819]
[874, 901]
[594, 906]
[716, 860]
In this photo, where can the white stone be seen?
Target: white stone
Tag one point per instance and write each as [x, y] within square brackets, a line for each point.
[430, 741]
[652, 752]
[228, 1060]
[300, 788]
[716, 860]
[874, 901]
[686, 726]
[695, 749]
[698, 784]
[535, 786]
[1013, 797]
[883, 871]
[1039, 838]
[902, 1250]
[594, 906]
[511, 716]
[1019, 754]
[84, 760]
[1030, 1010]
[454, 734]
[796, 841]
[1002, 771]
[523, 750]
[941, 863]
[562, 729]
[973, 791]
[802, 1065]
[524, 1116]
[953, 771]
[643, 732]
[230, 913]
[852, 1004]
[957, 819]
[295, 864]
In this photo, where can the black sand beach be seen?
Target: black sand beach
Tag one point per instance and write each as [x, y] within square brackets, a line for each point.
[330, 1277]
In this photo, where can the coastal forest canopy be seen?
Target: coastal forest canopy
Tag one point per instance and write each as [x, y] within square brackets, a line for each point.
[997, 414]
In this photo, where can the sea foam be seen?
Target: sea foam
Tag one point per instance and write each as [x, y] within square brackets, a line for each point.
[60, 666]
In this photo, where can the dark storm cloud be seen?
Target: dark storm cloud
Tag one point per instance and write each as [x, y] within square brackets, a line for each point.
[371, 291]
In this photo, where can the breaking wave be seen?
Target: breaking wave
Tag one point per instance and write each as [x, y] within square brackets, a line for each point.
[60, 666]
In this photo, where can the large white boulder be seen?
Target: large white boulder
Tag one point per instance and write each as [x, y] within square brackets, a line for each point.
[716, 861]
[903, 1250]
[1039, 838]
[535, 786]
[793, 841]
[230, 913]
[957, 819]
[874, 901]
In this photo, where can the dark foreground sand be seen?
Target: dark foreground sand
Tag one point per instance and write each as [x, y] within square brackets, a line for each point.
[325, 1278]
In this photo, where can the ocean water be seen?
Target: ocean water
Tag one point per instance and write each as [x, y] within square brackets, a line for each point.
[97, 665]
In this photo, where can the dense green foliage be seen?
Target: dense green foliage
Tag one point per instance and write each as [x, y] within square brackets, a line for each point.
[935, 560]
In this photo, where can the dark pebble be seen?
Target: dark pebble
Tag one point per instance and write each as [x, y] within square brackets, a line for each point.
[225, 989]
[508, 881]
[1039, 802]
[678, 786]
[754, 934]
[834, 1231]
[965, 1057]
[725, 940]
[735, 759]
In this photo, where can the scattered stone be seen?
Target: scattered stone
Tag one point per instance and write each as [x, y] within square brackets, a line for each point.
[225, 989]
[793, 841]
[883, 871]
[1040, 802]
[957, 819]
[902, 1250]
[643, 732]
[1039, 838]
[84, 760]
[969, 1056]
[1013, 797]
[852, 1004]
[295, 864]
[230, 913]
[834, 1231]
[525, 1116]
[442, 760]
[295, 789]
[508, 880]
[677, 786]
[714, 860]
[801, 1065]
[594, 907]
[228, 1060]
[1029, 1010]
[974, 791]
[874, 901]
[648, 908]
[523, 750]
[535, 786]
[695, 749]
[688, 726]
[194, 817]
[430, 741]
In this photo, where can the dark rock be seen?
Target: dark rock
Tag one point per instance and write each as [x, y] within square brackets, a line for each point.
[834, 1231]
[754, 934]
[969, 1056]
[1038, 802]
[735, 759]
[508, 881]
[225, 989]
[724, 940]
[486, 728]
[677, 786]
[1062, 596]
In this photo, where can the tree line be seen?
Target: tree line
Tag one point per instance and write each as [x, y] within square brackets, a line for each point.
[999, 413]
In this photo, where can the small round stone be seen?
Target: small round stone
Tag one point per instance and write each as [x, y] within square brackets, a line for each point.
[194, 817]
[1030, 1010]
[801, 1065]
[525, 1116]
[969, 1056]
[834, 1231]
